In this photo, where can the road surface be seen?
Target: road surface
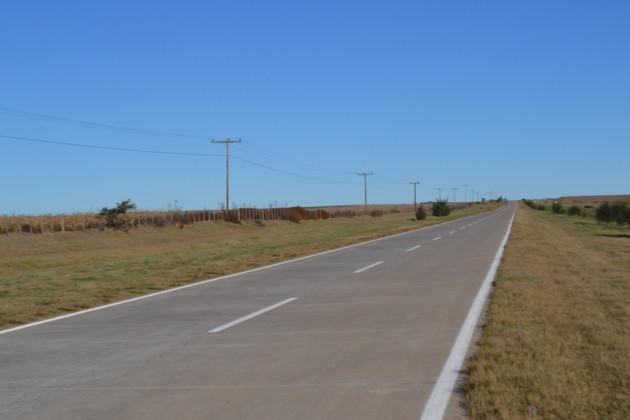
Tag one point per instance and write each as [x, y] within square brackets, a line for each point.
[362, 332]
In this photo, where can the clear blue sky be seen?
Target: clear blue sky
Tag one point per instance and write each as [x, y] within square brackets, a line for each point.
[518, 98]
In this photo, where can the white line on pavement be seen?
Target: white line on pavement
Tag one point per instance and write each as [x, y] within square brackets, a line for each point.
[441, 394]
[368, 267]
[451, 232]
[414, 248]
[439, 237]
[202, 282]
[250, 316]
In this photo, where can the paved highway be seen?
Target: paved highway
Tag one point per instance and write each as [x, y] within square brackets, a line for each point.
[363, 332]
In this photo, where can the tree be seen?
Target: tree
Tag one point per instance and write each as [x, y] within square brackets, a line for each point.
[574, 210]
[620, 213]
[604, 214]
[440, 208]
[421, 213]
[557, 208]
[116, 217]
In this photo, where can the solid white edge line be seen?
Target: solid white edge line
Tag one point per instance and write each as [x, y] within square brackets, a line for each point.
[368, 267]
[250, 316]
[414, 248]
[199, 283]
[441, 394]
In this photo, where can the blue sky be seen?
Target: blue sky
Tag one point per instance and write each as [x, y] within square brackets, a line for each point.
[513, 98]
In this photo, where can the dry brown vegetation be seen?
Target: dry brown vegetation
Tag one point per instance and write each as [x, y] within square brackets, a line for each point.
[557, 339]
[80, 222]
[593, 199]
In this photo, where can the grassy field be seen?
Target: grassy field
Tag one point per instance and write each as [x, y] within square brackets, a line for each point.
[46, 275]
[556, 343]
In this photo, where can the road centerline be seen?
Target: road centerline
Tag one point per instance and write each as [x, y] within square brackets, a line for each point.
[414, 248]
[368, 267]
[250, 316]
[437, 239]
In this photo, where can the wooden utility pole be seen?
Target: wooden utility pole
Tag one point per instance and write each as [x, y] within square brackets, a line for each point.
[454, 189]
[227, 168]
[365, 175]
[415, 202]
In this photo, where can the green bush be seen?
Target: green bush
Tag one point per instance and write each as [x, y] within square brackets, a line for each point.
[557, 208]
[440, 208]
[618, 212]
[421, 213]
[116, 217]
[603, 214]
[530, 203]
[541, 207]
[574, 210]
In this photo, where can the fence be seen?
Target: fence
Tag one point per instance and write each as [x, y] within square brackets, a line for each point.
[79, 222]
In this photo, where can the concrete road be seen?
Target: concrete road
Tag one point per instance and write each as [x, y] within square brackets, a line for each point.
[358, 333]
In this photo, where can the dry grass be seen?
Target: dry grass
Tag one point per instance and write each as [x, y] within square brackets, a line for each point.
[46, 275]
[557, 339]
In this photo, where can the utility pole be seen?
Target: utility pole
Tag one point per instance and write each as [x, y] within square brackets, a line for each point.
[454, 189]
[227, 168]
[439, 193]
[365, 175]
[415, 202]
[466, 194]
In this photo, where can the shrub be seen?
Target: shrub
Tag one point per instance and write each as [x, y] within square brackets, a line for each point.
[574, 210]
[441, 208]
[530, 203]
[116, 217]
[376, 213]
[421, 213]
[541, 207]
[603, 214]
[618, 212]
[557, 208]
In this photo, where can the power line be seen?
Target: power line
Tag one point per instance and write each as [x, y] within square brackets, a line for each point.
[291, 173]
[90, 124]
[120, 149]
[377, 186]
[267, 154]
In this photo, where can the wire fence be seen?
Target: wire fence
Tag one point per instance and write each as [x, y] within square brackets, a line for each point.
[80, 222]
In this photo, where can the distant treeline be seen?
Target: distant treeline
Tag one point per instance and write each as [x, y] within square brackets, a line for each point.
[617, 212]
